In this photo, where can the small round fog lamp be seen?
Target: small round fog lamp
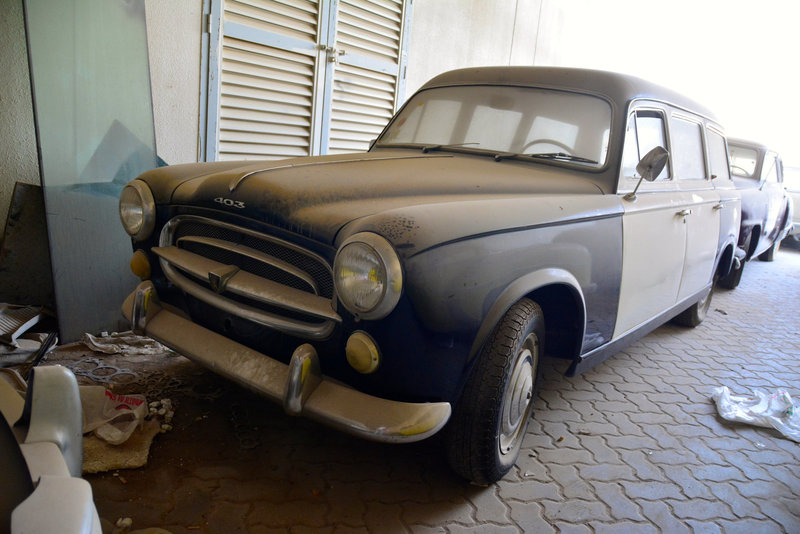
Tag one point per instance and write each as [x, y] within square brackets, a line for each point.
[140, 265]
[362, 352]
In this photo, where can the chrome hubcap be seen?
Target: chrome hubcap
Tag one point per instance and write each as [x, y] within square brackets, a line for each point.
[518, 399]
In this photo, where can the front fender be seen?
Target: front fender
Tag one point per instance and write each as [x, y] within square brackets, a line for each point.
[522, 287]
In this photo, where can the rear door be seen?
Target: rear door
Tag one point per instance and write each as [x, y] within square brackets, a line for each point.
[700, 203]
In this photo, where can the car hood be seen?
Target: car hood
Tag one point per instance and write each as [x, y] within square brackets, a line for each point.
[317, 196]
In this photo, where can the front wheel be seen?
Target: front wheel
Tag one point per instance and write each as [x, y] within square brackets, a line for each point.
[489, 421]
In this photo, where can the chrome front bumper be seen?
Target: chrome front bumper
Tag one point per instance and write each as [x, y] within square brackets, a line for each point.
[299, 387]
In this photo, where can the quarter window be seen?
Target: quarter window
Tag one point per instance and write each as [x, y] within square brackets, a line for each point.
[644, 132]
[718, 156]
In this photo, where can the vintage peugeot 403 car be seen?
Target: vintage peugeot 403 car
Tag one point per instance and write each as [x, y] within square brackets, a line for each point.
[757, 172]
[500, 216]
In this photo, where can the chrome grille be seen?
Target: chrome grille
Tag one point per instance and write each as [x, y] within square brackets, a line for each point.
[249, 274]
[313, 265]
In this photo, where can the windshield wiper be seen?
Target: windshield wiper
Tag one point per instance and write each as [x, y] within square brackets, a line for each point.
[431, 148]
[562, 156]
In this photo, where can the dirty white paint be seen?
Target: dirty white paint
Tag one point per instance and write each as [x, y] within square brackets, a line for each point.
[17, 136]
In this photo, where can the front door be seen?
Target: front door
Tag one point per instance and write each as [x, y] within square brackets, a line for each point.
[651, 266]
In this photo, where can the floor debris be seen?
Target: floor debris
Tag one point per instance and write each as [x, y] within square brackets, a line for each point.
[100, 456]
[125, 343]
[16, 320]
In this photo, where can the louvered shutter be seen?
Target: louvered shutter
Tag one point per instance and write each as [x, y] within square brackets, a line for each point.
[269, 61]
[292, 78]
[368, 76]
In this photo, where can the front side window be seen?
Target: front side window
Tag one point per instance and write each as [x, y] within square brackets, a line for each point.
[743, 161]
[644, 132]
[497, 119]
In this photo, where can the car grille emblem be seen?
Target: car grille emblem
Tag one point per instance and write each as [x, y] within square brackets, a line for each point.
[219, 278]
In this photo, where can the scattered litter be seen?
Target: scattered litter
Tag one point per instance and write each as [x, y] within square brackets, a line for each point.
[124, 522]
[559, 440]
[761, 409]
[128, 415]
[100, 456]
[112, 417]
[28, 347]
[126, 343]
[760, 445]
[16, 320]
[723, 312]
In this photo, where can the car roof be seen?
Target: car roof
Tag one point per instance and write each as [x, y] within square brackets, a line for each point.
[748, 144]
[620, 88]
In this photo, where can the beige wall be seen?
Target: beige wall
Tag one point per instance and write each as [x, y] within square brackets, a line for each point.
[173, 38]
[450, 34]
[18, 158]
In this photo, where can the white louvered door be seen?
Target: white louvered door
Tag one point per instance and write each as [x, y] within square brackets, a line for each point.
[365, 81]
[293, 78]
[270, 72]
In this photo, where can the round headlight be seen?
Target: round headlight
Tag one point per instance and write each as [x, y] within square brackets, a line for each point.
[137, 210]
[367, 276]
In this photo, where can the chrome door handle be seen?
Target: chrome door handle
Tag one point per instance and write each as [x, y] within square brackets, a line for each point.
[718, 206]
[684, 213]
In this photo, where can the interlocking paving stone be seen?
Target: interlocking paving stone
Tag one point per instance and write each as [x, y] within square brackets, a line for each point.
[634, 445]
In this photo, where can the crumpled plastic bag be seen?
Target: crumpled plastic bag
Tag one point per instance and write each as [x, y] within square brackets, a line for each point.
[774, 410]
[112, 417]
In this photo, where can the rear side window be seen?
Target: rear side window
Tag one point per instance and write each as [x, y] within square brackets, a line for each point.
[687, 149]
[718, 156]
[645, 131]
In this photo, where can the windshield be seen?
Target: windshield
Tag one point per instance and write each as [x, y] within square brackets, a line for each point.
[743, 161]
[506, 120]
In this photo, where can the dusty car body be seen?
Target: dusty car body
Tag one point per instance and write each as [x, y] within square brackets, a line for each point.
[499, 217]
[757, 172]
[792, 182]
[42, 454]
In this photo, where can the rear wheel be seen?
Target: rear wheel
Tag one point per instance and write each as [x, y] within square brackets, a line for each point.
[695, 314]
[734, 277]
[769, 254]
[489, 421]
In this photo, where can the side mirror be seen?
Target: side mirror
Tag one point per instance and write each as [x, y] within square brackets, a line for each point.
[649, 168]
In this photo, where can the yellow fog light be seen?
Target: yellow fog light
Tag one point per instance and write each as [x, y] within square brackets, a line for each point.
[140, 265]
[362, 352]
